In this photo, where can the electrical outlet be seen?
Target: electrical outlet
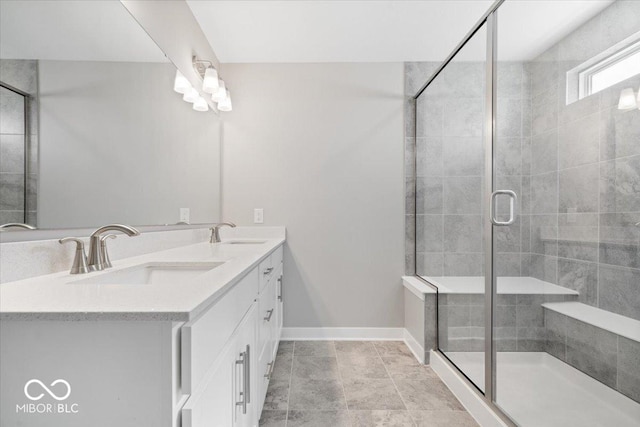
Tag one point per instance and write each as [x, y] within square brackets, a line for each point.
[184, 215]
[258, 216]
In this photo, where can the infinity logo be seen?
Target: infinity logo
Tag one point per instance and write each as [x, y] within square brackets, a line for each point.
[52, 394]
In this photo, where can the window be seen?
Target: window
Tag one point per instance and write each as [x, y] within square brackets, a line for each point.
[613, 66]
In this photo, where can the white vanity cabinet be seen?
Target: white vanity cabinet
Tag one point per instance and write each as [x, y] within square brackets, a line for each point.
[226, 397]
[231, 391]
[212, 370]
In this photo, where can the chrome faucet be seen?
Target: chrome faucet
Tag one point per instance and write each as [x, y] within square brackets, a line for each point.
[80, 259]
[215, 231]
[17, 225]
[98, 256]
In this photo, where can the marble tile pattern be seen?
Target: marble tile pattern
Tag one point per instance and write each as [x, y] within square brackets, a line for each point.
[576, 170]
[610, 358]
[357, 384]
[444, 133]
[578, 167]
[519, 323]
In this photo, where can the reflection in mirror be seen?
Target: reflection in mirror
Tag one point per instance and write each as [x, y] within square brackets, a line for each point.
[91, 130]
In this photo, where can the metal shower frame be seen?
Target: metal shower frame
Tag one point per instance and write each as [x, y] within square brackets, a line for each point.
[489, 19]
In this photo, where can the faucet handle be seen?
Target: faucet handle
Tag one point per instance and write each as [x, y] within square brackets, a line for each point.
[215, 231]
[80, 259]
[106, 262]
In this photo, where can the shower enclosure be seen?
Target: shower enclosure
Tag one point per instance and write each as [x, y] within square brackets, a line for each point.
[18, 141]
[527, 209]
[14, 155]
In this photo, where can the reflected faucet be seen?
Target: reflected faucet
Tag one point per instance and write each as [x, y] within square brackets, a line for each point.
[17, 225]
[215, 231]
[98, 256]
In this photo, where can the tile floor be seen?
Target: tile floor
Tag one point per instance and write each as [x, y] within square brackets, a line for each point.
[357, 383]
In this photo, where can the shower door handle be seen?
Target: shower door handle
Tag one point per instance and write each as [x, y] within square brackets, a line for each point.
[513, 198]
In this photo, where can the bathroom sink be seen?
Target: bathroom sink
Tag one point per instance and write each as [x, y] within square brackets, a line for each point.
[157, 273]
[245, 242]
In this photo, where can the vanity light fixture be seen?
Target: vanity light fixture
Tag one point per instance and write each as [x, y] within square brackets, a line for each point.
[206, 70]
[627, 100]
[191, 95]
[210, 84]
[180, 83]
[221, 93]
[225, 104]
[201, 104]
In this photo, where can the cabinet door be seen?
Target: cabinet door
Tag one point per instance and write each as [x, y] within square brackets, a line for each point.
[227, 397]
[213, 405]
[245, 388]
[204, 337]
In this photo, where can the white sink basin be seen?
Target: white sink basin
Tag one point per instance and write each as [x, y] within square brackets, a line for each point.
[157, 273]
[244, 242]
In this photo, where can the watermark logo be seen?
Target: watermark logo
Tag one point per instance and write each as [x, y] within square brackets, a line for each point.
[45, 388]
[58, 390]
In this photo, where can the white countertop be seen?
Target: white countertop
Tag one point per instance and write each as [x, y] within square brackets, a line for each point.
[58, 297]
[505, 285]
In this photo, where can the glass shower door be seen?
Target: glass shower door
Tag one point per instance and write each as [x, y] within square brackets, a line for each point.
[450, 126]
[567, 142]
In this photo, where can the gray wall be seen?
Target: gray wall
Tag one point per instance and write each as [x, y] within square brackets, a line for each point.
[584, 198]
[119, 145]
[23, 75]
[319, 147]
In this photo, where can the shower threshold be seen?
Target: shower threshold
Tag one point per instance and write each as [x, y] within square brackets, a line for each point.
[536, 389]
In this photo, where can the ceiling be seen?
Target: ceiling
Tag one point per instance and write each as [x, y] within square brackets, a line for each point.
[97, 30]
[379, 31]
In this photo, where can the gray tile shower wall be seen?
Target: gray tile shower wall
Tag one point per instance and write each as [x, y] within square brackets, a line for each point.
[520, 322]
[575, 167]
[611, 359]
[23, 75]
[585, 172]
[446, 137]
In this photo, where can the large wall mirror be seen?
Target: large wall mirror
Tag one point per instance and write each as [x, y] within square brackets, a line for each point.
[91, 131]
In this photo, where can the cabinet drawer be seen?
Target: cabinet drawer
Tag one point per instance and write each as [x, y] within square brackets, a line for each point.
[204, 337]
[267, 314]
[266, 270]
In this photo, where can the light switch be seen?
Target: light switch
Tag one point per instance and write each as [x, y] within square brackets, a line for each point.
[258, 216]
[184, 215]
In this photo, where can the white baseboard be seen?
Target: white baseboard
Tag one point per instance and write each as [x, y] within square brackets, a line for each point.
[474, 404]
[342, 334]
[414, 346]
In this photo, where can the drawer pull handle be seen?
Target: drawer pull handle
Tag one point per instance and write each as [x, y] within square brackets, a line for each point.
[269, 314]
[245, 394]
[269, 371]
[280, 288]
[267, 270]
